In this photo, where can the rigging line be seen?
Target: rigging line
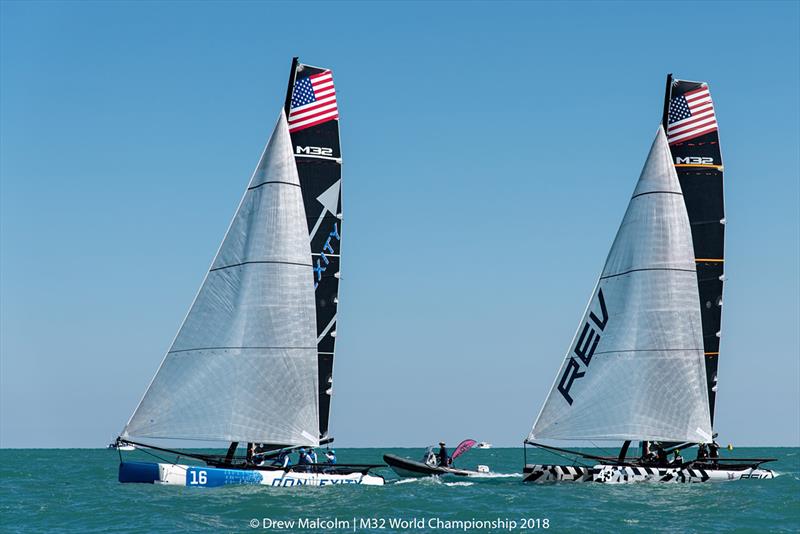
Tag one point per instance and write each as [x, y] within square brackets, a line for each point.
[259, 261]
[272, 182]
[174, 464]
[601, 448]
[648, 269]
[574, 460]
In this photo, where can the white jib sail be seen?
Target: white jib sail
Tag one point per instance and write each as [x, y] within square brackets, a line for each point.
[635, 369]
[243, 366]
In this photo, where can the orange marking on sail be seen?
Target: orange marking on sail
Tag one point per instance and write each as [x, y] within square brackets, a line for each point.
[719, 167]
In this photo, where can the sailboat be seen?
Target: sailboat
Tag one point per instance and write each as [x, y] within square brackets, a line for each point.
[252, 362]
[642, 365]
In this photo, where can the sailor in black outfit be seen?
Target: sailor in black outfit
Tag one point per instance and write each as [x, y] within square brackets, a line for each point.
[661, 456]
[714, 453]
[444, 459]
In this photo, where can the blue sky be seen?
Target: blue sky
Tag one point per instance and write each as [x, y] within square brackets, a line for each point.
[489, 154]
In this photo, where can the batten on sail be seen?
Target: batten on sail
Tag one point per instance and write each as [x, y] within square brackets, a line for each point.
[635, 367]
[243, 366]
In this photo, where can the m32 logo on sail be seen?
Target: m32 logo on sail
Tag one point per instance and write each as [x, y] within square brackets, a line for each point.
[314, 151]
[694, 160]
[584, 349]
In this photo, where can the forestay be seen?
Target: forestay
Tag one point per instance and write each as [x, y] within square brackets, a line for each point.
[243, 366]
[635, 367]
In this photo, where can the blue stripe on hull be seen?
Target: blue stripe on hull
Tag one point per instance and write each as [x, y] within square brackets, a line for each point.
[212, 477]
[141, 472]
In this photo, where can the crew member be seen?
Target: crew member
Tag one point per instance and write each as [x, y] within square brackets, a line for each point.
[648, 456]
[677, 459]
[444, 459]
[305, 458]
[282, 460]
[330, 456]
[312, 455]
[702, 452]
[714, 453]
[661, 456]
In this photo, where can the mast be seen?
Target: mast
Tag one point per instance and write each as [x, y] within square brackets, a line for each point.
[292, 75]
[690, 121]
[312, 110]
[667, 96]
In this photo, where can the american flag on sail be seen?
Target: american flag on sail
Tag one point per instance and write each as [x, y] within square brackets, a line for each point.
[691, 115]
[313, 101]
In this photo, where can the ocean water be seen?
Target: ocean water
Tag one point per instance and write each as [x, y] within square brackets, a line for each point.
[76, 490]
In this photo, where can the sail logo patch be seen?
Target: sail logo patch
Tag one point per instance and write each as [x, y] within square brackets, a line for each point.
[323, 261]
[584, 349]
[314, 150]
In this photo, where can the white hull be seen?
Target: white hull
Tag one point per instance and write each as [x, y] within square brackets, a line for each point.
[616, 474]
[199, 476]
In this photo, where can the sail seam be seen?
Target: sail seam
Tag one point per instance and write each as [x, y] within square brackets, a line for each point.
[645, 350]
[264, 261]
[657, 192]
[648, 269]
[242, 348]
[272, 182]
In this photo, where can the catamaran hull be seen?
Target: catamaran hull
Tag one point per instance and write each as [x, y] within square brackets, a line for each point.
[613, 474]
[210, 477]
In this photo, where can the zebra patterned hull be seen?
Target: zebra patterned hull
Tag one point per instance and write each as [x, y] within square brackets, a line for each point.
[617, 474]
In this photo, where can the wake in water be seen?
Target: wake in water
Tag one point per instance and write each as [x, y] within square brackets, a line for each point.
[436, 480]
[433, 481]
[497, 475]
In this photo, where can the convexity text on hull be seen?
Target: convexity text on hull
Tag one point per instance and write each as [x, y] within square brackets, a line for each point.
[202, 476]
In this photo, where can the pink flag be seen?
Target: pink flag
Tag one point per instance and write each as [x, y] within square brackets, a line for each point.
[463, 447]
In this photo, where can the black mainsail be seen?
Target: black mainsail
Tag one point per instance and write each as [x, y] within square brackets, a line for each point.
[313, 116]
[693, 136]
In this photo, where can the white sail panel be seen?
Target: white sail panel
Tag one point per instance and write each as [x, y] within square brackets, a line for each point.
[243, 366]
[635, 369]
